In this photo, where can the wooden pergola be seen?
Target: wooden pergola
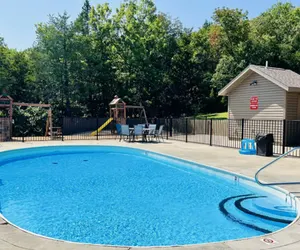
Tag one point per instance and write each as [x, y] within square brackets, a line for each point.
[7, 103]
[49, 125]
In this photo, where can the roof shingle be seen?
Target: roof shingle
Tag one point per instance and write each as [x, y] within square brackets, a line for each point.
[286, 77]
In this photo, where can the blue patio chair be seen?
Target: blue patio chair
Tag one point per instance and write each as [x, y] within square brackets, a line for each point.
[119, 128]
[124, 132]
[138, 131]
[159, 134]
[152, 130]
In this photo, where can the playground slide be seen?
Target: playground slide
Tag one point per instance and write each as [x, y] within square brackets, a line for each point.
[102, 127]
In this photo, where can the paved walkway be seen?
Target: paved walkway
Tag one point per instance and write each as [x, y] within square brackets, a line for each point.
[287, 169]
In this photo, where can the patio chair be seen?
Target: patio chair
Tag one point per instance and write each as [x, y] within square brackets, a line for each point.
[159, 134]
[152, 130]
[119, 129]
[138, 131]
[124, 132]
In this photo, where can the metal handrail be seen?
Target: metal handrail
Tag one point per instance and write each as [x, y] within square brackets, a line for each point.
[275, 183]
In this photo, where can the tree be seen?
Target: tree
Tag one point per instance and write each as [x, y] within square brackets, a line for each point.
[235, 29]
[231, 37]
[82, 22]
[55, 40]
[276, 35]
[145, 56]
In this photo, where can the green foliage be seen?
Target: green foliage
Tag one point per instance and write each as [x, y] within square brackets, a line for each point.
[30, 121]
[145, 57]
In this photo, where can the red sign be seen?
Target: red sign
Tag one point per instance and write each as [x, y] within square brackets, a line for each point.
[254, 103]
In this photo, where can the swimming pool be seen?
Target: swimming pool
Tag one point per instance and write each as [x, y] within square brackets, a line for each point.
[129, 197]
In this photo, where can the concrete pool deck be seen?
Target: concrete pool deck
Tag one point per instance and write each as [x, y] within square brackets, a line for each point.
[287, 169]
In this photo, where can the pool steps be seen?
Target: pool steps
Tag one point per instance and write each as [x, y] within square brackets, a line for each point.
[255, 212]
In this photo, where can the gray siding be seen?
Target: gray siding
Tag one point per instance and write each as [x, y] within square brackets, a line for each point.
[292, 106]
[271, 100]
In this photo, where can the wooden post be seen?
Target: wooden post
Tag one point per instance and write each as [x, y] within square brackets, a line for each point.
[117, 111]
[125, 115]
[10, 118]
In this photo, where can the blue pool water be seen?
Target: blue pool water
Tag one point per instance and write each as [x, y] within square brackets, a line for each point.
[129, 197]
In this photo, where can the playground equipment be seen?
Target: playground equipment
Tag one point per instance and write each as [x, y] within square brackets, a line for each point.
[6, 106]
[102, 127]
[118, 111]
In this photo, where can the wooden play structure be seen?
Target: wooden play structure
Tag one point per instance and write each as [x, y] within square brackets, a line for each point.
[118, 111]
[6, 109]
[6, 121]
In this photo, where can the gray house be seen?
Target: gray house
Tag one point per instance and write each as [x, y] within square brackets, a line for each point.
[264, 93]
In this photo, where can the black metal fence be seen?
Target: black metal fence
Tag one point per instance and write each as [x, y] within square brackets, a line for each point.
[223, 133]
[74, 128]
[229, 133]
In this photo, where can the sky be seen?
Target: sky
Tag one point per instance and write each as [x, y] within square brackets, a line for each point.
[18, 17]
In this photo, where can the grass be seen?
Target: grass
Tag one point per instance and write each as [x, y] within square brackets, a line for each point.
[223, 115]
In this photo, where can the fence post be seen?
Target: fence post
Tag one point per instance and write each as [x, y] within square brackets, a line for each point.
[186, 129]
[210, 132]
[283, 136]
[194, 125]
[171, 127]
[168, 124]
[62, 130]
[243, 122]
[97, 136]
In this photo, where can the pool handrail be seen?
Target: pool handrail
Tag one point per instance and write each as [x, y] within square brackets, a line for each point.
[275, 183]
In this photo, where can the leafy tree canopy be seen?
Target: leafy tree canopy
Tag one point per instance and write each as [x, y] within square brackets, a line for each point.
[145, 57]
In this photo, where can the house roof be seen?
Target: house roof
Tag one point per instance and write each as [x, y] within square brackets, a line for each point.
[284, 78]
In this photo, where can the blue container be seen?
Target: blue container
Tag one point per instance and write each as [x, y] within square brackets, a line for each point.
[248, 147]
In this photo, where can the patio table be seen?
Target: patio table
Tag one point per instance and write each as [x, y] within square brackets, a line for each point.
[145, 133]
